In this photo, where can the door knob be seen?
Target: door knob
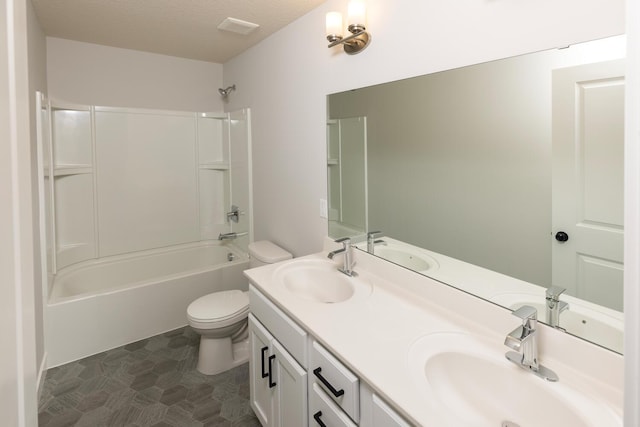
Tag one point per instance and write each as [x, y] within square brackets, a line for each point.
[561, 236]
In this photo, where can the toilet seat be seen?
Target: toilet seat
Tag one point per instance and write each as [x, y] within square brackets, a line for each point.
[218, 309]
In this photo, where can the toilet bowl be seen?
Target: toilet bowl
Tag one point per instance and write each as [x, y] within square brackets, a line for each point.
[221, 318]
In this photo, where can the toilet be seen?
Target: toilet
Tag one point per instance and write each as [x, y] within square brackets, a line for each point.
[221, 317]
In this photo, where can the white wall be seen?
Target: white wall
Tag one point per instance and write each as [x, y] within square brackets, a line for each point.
[99, 75]
[37, 51]
[632, 220]
[286, 78]
[18, 369]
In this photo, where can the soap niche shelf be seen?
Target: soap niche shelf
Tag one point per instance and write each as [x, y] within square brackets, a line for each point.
[73, 185]
[217, 166]
[213, 174]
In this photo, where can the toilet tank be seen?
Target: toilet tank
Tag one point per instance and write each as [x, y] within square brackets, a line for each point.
[265, 252]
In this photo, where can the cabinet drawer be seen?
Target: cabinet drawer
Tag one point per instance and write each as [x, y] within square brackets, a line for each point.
[324, 412]
[290, 335]
[336, 380]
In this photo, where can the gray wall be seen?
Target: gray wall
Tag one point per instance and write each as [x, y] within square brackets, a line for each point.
[459, 162]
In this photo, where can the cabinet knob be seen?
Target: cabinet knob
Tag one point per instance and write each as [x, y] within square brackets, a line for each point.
[561, 236]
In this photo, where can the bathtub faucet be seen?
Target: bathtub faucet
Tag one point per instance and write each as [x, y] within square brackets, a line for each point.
[231, 236]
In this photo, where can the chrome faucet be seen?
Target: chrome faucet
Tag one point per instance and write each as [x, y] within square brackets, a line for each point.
[231, 236]
[523, 340]
[234, 214]
[348, 263]
[554, 305]
[372, 242]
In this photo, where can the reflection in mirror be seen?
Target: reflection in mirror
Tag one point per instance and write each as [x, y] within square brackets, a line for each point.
[508, 174]
[347, 176]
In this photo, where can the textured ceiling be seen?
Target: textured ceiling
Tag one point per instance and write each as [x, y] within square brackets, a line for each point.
[184, 28]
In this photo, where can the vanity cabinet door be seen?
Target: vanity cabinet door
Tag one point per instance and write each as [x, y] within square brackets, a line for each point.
[278, 383]
[259, 366]
[290, 402]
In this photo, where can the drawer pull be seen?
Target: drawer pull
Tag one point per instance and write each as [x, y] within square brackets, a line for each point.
[323, 380]
[272, 384]
[263, 350]
[317, 416]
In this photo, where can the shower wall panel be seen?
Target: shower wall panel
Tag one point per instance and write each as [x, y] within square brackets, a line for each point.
[125, 180]
[240, 173]
[146, 180]
[213, 163]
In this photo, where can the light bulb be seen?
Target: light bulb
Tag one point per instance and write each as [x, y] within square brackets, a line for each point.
[334, 24]
[357, 13]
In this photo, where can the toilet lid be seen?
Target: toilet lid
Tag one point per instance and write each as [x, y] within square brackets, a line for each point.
[219, 305]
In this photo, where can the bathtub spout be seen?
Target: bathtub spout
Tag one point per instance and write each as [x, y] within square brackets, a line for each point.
[231, 236]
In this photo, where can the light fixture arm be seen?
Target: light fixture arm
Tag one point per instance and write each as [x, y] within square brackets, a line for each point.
[354, 43]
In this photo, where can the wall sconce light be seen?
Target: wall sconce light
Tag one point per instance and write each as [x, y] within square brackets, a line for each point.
[359, 38]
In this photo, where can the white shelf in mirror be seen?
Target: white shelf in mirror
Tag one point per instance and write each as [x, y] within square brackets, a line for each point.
[61, 105]
[221, 166]
[66, 170]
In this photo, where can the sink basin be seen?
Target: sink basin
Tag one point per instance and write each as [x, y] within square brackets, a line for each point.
[591, 324]
[405, 258]
[476, 385]
[320, 281]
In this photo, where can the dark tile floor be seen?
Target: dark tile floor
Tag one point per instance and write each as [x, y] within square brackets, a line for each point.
[153, 382]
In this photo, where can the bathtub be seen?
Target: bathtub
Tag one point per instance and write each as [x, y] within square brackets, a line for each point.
[101, 304]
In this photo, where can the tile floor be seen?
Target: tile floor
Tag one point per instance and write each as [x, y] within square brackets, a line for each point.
[152, 382]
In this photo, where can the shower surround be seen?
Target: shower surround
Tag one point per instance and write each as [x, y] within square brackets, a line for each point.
[121, 185]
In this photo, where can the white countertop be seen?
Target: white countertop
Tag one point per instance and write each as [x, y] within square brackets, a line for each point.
[373, 334]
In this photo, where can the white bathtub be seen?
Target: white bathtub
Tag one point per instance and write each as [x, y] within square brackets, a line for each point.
[101, 304]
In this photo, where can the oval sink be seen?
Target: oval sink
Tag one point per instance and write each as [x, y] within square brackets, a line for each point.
[320, 281]
[407, 259]
[477, 385]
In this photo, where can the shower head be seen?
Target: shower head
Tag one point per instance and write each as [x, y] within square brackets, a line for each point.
[225, 92]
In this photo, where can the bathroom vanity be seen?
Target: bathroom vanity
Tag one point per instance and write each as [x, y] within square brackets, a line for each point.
[296, 381]
[390, 347]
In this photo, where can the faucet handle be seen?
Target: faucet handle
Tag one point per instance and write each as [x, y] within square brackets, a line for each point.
[529, 316]
[553, 292]
[526, 312]
[372, 234]
[346, 241]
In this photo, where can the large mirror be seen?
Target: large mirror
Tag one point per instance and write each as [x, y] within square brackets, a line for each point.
[504, 179]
